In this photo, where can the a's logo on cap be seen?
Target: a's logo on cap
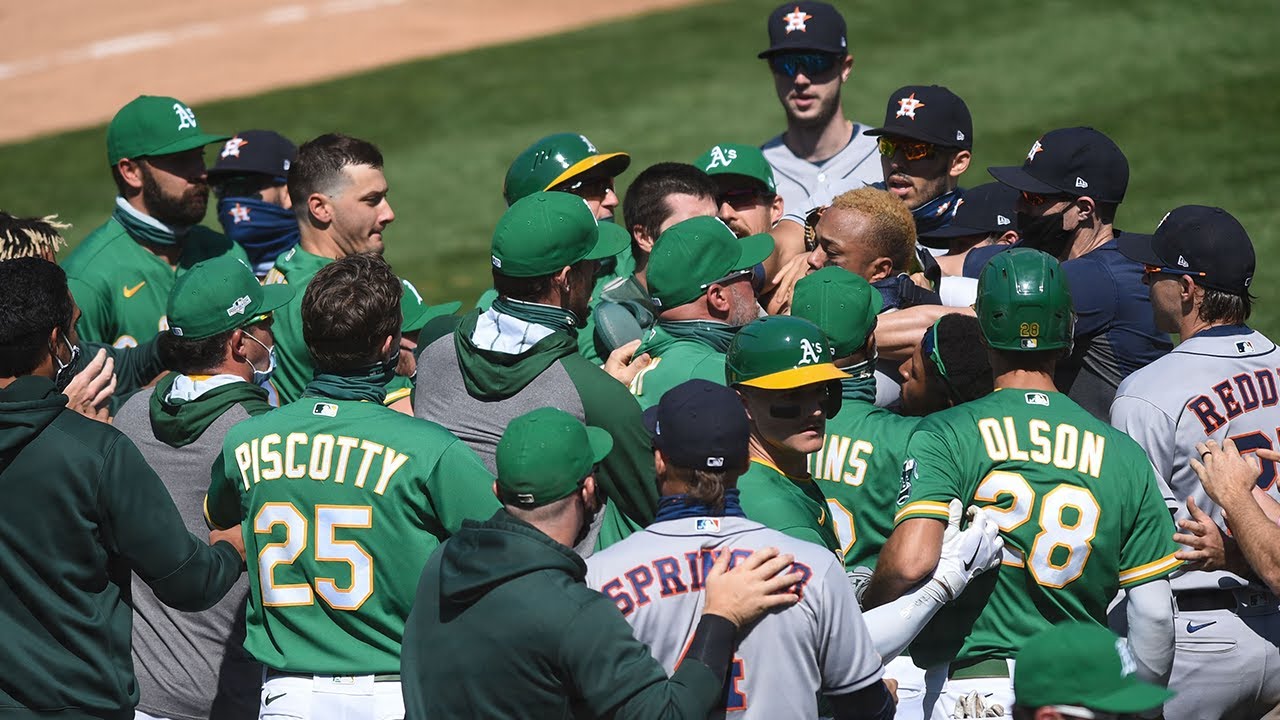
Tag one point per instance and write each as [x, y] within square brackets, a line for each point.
[795, 20]
[238, 307]
[810, 352]
[907, 106]
[1002, 220]
[1182, 262]
[1037, 148]
[232, 147]
[239, 213]
[590, 148]
[960, 135]
[721, 157]
[1080, 183]
[186, 118]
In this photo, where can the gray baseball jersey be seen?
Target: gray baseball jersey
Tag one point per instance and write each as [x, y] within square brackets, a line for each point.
[1221, 383]
[820, 645]
[799, 180]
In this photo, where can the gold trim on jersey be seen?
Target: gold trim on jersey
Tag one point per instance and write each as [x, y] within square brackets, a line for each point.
[926, 508]
[1150, 570]
[397, 395]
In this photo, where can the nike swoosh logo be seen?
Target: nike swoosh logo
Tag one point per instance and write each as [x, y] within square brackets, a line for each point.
[1196, 628]
[968, 564]
[272, 698]
[131, 291]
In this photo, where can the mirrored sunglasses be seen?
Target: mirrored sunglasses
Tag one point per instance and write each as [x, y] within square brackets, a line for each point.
[811, 64]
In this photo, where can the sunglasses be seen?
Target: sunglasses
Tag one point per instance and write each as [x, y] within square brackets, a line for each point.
[595, 187]
[1160, 270]
[929, 348]
[1036, 199]
[811, 64]
[728, 278]
[739, 199]
[911, 149]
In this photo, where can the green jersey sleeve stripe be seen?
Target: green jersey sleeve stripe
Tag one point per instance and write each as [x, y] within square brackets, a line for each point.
[1150, 571]
[923, 508]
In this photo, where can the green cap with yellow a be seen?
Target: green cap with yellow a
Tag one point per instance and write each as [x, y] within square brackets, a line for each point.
[544, 456]
[780, 352]
[155, 125]
[738, 159]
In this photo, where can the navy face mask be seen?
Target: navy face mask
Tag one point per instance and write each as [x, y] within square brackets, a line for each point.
[265, 231]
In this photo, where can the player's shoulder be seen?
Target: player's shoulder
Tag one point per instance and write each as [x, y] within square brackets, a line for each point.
[87, 259]
[776, 147]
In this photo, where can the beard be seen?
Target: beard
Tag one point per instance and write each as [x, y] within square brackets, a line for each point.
[184, 210]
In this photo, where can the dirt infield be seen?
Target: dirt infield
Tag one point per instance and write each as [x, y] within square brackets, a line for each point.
[71, 63]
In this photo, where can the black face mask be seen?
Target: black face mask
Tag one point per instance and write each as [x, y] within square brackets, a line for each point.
[1044, 233]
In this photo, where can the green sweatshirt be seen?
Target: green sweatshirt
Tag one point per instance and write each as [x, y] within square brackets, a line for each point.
[674, 361]
[123, 289]
[294, 368]
[504, 627]
[82, 511]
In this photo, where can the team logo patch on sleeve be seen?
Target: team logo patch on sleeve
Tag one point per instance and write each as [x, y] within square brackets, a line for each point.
[908, 474]
[1035, 398]
[707, 525]
[325, 410]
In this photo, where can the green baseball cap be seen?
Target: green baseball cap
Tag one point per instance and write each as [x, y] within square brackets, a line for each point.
[736, 159]
[780, 352]
[544, 455]
[556, 159]
[841, 303]
[415, 313]
[219, 295]
[691, 255]
[155, 125]
[1083, 665]
[546, 231]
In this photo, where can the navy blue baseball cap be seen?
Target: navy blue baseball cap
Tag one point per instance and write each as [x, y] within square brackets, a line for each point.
[1078, 161]
[1206, 243]
[700, 425]
[255, 152]
[798, 27]
[983, 210]
[931, 113]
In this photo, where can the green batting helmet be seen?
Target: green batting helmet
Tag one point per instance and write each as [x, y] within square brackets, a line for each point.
[1023, 302]
[556, 159]
[780, 352]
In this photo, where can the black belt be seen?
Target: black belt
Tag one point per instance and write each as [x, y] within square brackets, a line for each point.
[273, 673]
[1196, 600]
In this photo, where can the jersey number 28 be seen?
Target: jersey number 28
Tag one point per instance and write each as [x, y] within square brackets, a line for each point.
[1069, 517]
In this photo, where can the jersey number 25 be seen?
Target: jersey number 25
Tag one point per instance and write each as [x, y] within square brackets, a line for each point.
[328, 548]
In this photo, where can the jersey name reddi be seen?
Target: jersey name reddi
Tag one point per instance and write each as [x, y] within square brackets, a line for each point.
[1064, 447]
[319, 457]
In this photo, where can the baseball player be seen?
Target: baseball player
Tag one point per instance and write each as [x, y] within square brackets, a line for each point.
[822, 647]
[947, 367]
[250, 179]
[1219, 383]
[700, 280]
[746, 192]
[984, 217]
[1076, 500]
[219, 342]
[342, 501]
[809, 57]
[783, 368]
[122, 273]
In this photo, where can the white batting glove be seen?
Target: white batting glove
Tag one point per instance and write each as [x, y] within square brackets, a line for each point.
[976, 705]
[859, 577]
[967, 553]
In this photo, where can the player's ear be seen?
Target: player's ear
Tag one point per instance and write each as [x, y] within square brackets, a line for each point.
[880, 268]
[659, 462]
[1008, 238]
[589, 490]
[319, 208]
[776, 210]
[1088, 209]
[642, 238]
[238, 345]
[131, 172]
[959, 163]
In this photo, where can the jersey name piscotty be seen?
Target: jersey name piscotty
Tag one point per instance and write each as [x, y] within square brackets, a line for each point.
[321, 457]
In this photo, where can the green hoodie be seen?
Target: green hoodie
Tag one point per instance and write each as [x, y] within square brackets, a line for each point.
[179, 423]
[474, 393]
[504, 627]
[674, 360]
[82, 511]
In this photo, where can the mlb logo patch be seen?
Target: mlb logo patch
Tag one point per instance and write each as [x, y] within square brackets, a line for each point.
[325, 410]
[707, 525]
[1244, 346]
[1035, 398]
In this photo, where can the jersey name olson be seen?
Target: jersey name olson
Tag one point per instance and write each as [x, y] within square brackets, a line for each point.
[1064, 446]
[337, 458]
[668, 576]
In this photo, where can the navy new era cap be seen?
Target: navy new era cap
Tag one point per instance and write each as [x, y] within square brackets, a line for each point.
[1078, 161]
[931, 113]
[700, 425]
[983, 210]
[1204, 242]
[806, 27]
[255, 152]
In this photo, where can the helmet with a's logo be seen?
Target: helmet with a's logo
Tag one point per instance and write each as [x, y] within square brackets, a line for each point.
[559, 161]
[780, 352]
[1024, 303]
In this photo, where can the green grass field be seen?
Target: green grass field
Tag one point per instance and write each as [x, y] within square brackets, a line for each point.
[1188, 91]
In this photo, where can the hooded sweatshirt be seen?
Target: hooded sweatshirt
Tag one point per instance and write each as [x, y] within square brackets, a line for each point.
[475, 392]
[191, 666]
[679, 359]
[82, 510]
[505, 627]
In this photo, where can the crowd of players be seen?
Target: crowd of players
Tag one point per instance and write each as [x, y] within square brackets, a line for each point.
[811, 432]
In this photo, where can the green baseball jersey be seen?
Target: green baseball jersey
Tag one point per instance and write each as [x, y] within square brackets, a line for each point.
[674, 361]
[123, 289]
[1077, 504]
[294, 368]
[790, 505]
[342, 502]
[858, 470]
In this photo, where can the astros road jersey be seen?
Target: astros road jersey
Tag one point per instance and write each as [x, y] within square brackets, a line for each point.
[794, 506]
[342, 501]
[1077, 504]
[856, 165]
[858, 470]
[1219, 384]
[820, 645]
[123, 289]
